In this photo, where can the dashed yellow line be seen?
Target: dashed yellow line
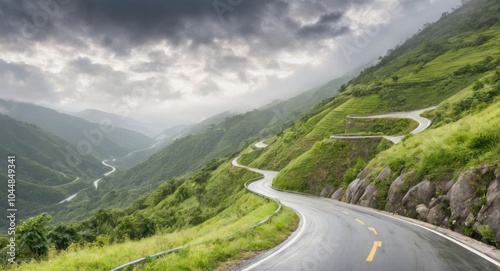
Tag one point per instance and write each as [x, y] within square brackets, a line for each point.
[345, 213]
[373, 230]
[376, 245]
[360, 222]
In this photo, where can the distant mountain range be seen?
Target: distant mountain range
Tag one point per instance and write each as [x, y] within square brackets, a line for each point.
[96, 116]
[104, 140]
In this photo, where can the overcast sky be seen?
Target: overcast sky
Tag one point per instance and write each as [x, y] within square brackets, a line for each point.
[188, 59]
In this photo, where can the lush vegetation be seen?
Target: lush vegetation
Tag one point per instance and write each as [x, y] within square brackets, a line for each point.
[327, 163]
[380, 126]
[412, 76]
[44, 176]
[211, 139]
[453, 63]
[181, 211]
[228, 236]
[442, 152]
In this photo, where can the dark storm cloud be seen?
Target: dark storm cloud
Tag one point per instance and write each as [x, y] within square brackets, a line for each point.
[121, 25]
[231, 62]
[85, 65]
[71, 52]
[327, 26]
[158, 62]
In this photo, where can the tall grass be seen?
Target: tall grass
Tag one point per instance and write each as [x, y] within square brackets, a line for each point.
[228, 235]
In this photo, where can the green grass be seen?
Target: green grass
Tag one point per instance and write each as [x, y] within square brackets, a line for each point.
[469, 142]
[325, 165]
[455, 59]
[250, 154]
[381, 126]
[302, 136]
[209, 212]
[228, 235]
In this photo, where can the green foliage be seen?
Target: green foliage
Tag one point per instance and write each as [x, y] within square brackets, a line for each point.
[487, 64]
[353, 171]
[32, 235]
[250, 155]
[62, 236]
[44, 176]
[487, 235]
[328, 163]
[383, 126]
[133, 227]
[471, 141]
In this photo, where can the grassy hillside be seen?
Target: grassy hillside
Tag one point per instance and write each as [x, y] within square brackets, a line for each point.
[44, 175]
[327, 164]
[211, 213]
[453, 63]
[448, 149]
[409, 77]
[380, 126]
[224, 134]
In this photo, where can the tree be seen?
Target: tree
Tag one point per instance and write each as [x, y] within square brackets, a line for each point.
[62, 236]
[395, 78]
[32, 234]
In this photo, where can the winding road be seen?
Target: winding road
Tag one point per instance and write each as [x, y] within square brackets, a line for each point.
[261, 144]
[423, 123]
[336, 236]
[113, 169]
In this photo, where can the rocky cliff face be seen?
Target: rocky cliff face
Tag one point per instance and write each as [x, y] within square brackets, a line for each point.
[466, 204]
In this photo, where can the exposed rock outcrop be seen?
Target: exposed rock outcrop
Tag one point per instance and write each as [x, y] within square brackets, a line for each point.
[384, 174]
[490, 212]
[369, 197]
[395, 195]
[338, 194]
[355, 190]
[444, 203]
[327, 191]
[422, 193]
[462, 195]
[422, 211]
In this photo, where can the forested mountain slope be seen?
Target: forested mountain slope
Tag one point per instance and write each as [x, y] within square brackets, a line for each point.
[46, 170]
[102, 140]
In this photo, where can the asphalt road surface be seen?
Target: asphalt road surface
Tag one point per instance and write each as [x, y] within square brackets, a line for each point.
[336, 236]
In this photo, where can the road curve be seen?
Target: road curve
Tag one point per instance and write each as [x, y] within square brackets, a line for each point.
[336, 236]
[261, 144]
[423, 123]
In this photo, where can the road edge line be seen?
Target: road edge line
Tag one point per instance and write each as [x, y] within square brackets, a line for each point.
[469, 248]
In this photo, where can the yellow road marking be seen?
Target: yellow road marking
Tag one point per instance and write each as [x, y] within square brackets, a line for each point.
[360, 222]
[373, 230]
[345, 213]
[376, 244]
